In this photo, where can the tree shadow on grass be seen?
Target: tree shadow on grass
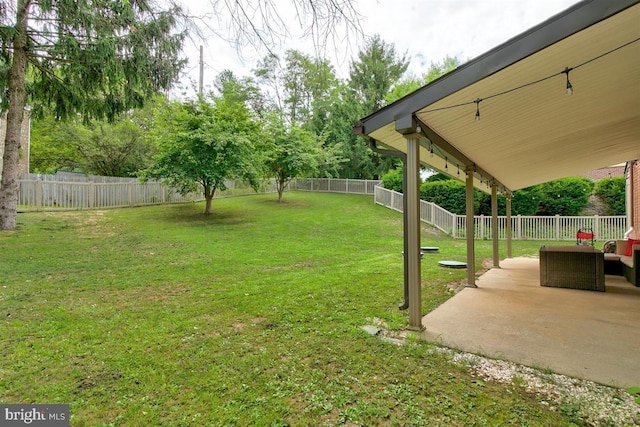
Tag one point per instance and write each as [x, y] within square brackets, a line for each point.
[192, 215]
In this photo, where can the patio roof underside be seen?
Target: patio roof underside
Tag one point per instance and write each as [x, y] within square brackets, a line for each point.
[530, 130]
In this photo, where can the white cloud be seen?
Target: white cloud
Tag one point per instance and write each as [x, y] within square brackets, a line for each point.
[427, 30]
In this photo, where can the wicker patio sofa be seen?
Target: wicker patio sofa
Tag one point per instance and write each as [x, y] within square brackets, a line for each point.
[628, 264]
[573, 267]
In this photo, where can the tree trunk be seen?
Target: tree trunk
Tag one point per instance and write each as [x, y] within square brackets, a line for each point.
[281, 185]
[208, 197]
[17, 100]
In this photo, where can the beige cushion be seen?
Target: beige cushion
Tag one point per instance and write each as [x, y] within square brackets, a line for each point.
[621, 247]
[627, 260]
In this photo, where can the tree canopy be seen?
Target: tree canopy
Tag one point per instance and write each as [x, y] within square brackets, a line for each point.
[203, 143]
[96, 59]
[290, 151]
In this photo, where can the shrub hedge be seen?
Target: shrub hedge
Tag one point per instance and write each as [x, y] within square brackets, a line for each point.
[566, 196]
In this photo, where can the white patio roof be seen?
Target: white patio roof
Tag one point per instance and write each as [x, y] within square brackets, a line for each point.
[530, 131]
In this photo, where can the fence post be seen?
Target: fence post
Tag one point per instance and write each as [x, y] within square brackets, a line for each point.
[454, 226]
[347, 185]
[130, 188]
[596, 227]
[433, 212]
[557, 219]
[38, 195]
[91, 194]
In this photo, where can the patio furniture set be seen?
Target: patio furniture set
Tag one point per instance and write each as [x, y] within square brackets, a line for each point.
[584, 267]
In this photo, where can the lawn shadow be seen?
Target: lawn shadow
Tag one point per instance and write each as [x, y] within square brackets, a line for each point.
[192, 215]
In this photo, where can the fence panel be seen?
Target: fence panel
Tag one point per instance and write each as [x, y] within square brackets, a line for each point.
[39, 192]
[523, 227]
[351, 186]
[47, 194]
[111, 195]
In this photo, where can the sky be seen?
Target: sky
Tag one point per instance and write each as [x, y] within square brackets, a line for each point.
[426, 30]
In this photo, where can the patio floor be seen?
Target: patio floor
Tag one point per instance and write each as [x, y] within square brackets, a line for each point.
[583, 334]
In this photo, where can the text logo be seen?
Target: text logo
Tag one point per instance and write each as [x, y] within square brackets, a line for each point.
[34, 415]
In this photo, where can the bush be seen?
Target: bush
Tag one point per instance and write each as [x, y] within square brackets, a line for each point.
[567, 196]
[438, 177]
[612, 192]
[523, 202]
[449, 194]
[392, 180]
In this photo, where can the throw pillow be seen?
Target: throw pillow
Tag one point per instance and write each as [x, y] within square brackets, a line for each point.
[609, 247]
[629, 248]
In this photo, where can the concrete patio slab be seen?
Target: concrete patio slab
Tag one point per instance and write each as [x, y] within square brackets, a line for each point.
[583, 334]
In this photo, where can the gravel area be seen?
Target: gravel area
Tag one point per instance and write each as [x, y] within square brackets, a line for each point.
[593, 403]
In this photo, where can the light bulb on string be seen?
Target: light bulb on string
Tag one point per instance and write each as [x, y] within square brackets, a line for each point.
[446, 163]
[477, 101]
[566, 71]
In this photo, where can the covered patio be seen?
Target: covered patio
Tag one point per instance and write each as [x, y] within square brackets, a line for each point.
[510, 119]
[558, 100]
[583, 334]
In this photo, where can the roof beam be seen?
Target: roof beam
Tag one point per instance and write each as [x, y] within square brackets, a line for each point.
[443, 144]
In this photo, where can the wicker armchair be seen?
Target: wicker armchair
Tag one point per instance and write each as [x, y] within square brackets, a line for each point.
[573, 267]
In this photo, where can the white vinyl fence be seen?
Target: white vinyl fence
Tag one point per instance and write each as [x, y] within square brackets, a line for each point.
[73, 191]
[332, 185]
[523, 227]
[45, 192]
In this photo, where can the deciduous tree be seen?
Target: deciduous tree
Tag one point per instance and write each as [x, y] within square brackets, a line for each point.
[202, 144]
[290, 152]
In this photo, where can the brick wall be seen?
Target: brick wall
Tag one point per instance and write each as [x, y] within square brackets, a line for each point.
[23, 167]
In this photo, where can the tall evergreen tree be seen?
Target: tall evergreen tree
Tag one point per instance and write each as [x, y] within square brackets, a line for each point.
[376, 71]
[378, 68]
[95, 58]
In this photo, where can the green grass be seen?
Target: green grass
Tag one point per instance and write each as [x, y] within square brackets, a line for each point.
[162, 316]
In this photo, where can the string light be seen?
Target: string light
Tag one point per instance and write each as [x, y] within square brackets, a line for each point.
[566, 71]
[569, 86]
[478, 101]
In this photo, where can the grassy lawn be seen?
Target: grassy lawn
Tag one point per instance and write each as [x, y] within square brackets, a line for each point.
[162, 316]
